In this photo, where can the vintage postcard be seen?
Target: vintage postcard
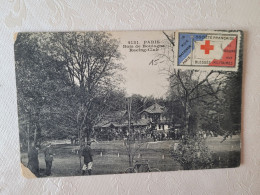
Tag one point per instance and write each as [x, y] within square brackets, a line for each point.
[93, 103]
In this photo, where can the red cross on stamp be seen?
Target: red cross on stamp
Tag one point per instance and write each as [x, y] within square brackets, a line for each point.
[207, 47]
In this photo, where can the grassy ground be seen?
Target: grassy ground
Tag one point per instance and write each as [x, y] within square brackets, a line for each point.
[111, 157]
[227, 153]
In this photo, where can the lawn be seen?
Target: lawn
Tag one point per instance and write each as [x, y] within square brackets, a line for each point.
[110, 157]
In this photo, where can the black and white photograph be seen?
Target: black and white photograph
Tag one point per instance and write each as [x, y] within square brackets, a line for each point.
[100, 102]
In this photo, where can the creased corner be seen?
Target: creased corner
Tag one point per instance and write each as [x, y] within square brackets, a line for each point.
[27, 173]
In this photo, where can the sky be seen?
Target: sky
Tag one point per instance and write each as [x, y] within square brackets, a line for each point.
[141, 77]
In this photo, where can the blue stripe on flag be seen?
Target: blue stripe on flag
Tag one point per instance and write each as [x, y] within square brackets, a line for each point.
[185, 40]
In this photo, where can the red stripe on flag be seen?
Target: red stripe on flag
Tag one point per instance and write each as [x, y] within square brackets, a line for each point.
[229, 56]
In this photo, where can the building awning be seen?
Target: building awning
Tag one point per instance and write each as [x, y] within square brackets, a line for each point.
[154, 109]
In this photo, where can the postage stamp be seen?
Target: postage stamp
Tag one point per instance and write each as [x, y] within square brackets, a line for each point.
[209, 50]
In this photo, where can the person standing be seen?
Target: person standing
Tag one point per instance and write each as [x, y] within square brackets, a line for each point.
[87, 153]
[48, 153]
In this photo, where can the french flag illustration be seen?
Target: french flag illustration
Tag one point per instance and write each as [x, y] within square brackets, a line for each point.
[207, 50]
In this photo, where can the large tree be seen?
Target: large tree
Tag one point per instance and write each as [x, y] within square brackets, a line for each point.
[44, 104]
[91, 61]
[197, 92]
[66, 82]
[198, 95]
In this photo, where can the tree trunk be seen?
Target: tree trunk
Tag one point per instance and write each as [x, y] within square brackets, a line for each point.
[88, 131]
[187, 116]
[35, 136]
[28, 131]
[130, 160]
[37, 133]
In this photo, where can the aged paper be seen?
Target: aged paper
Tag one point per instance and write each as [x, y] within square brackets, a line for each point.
[92, 103]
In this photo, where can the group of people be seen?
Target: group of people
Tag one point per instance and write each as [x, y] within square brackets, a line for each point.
[33, 161]
[159, 136]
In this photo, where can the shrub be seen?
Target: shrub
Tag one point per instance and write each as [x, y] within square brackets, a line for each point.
[192, 153]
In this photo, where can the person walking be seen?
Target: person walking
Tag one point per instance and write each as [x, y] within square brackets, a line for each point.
[48, 153]
[87, 153]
